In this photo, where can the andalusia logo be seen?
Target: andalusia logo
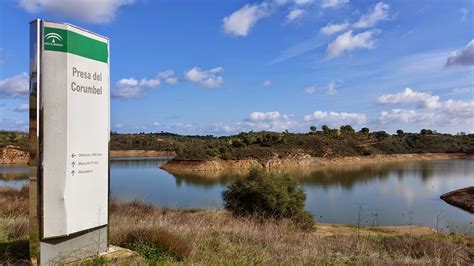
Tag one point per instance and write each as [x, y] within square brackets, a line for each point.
[53, 39]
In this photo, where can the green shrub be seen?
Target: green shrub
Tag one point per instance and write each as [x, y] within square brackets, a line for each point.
[347, 129]
[268, 195]
[365, 130]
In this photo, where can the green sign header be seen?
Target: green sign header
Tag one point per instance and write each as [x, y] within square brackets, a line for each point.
[71, 42]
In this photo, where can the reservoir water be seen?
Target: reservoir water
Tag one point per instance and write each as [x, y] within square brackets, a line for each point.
[377, 194]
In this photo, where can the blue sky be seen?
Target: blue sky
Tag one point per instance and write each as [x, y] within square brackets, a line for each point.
[221, 67]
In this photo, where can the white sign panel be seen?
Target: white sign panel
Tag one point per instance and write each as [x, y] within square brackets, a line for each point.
[75, 129]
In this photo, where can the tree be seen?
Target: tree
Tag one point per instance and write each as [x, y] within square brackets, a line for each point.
[381, 134]
[400, 132]
[238, 143]
[365, 130]
[312, 128]
[347, 128]
[426, 132]
[325, 128]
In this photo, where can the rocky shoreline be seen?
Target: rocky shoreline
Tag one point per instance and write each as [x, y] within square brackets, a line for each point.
[12, 155]
[461, 198]
[141, 153]
[299, 161]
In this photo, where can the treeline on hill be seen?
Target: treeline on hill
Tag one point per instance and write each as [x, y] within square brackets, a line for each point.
[14, 138]
[326, 142]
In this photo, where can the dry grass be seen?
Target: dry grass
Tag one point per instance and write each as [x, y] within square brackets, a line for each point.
[217, 237]
[14, 212]
[13, 226]
[13, 202]
[16, 227]
[440, 249]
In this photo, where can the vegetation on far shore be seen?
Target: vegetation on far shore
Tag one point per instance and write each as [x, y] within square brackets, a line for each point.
[14, 138]
[163, 236]
[327, 142]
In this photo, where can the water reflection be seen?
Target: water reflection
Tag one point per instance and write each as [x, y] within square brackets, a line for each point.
[138, 162]
[13, 172]
[14, 176]
[346, 176]
[376, 194]
[350, 175]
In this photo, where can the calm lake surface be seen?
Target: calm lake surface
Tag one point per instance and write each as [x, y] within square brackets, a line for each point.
[378, 194]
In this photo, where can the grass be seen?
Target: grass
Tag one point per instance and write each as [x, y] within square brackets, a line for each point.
[13, 225]
[164, 236]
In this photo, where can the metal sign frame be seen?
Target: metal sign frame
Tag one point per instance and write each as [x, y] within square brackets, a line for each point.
[76, 245]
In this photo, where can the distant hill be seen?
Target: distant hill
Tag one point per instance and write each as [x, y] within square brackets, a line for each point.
[263, 145]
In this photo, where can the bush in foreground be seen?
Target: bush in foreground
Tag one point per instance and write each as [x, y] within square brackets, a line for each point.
[268, 195]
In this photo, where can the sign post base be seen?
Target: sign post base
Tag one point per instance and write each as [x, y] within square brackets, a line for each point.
[73, 248]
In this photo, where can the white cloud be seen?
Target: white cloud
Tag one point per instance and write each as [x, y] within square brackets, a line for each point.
[403, 116]
[15, 86]
[168, 76]
[462, 57]
[454, 114]
[241, 21]
[458, 108]
[278, 122]
[311, 89]
[119, 125]
[331, 90]
[433, 112]
[90, 11]
[150, 82]
[379, 13]
[267, 116]
[171, 81]
[22, 108]
[269, 121]
[303, 2]
[132, 88]
[333, 3]
[348, 42]
[267, 83]
[336, 118]
[156, 124]
[464, 13]
[206, 78]
[331, 28]
[407, 96]
[295, 14]
[129, 88]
